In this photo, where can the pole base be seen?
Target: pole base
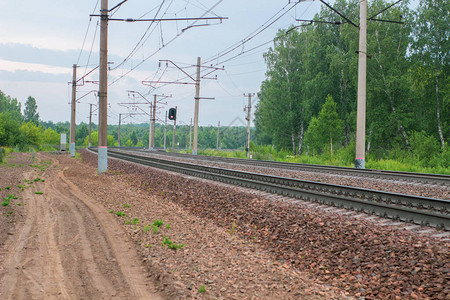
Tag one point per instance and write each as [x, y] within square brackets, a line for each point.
[102, 159]
[72, 149]
[360, 163]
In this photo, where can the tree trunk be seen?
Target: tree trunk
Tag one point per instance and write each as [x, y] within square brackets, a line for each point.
[293, 144]
[438, 111]
[300, 139]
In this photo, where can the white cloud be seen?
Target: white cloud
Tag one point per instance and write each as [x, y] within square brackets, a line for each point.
[12, 66]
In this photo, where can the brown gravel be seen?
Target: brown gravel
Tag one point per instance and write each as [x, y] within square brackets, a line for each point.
[403, 187]
[229, 265]
[358, 257]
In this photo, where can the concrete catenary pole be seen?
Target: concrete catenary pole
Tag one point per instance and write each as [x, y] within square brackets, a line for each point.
[73, 112]
[173, 133]
[190, 135]
[165, 132]
[197, 100]
[153, 122]
[361, 107]
[103, 92]
[118, 134]
[218, 135]
[150, 129]
[90, 123]
[248, 118]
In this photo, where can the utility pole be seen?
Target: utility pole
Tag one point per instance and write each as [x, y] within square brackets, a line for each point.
[152, 139]
[218, 135]
[173, 133]
[90, 123]
[118, 134]
[197, 99]
[150, 147]
[165, 132]
[103, 91]
[248, 118]
[362, 74]
[190, 135]
[73, 112]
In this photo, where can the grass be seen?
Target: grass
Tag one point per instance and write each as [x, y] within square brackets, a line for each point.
[126, 205]
[38, 193]
[167, 242]
[111, 211]
[158, 223]
[135, 221]
[120, 214]
[202, 289]
[146, 228]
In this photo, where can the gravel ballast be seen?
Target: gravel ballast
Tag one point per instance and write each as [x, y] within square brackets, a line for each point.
[359, 258]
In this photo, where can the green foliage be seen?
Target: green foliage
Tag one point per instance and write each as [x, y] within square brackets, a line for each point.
[158, 223]
[167, 242]
[202, 289]
[38, 193]
[135, 221]
[146, 228]
[120, 214]
[8, 199]
[325, 130]
[30, 113]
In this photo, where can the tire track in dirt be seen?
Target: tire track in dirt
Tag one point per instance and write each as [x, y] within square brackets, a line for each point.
[69, 247]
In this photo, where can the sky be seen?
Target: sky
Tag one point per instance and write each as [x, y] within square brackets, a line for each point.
[41, 40]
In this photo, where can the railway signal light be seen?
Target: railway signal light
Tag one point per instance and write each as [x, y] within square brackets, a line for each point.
[173, 114]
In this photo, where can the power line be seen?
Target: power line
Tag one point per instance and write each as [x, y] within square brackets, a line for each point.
[87, 31]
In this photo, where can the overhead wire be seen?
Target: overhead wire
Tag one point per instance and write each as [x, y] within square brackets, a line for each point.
[87, 31]
[159, 49]
[253, 34]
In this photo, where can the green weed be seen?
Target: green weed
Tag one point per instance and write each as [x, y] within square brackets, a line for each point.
[146, 228]
[135, 221]
[38, 193]
[8, 188]
[167, 242]
[168, 226]
[111, 211]
[158, 223]
[126, 205]
[155, 229]
[202, 289]
[120, 214]
[19, 204]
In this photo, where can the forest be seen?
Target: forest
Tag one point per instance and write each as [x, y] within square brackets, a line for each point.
[307, 103]
[26, 131]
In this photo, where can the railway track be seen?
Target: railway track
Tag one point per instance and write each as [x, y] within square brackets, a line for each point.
[408, 208]
[436, 179]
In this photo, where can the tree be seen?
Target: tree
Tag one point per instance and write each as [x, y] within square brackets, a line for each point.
[81, 133]
[431, 50]
[326, 129]
[30, 112]
[134, 138]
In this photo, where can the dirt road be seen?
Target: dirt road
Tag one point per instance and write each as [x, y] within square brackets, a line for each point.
[67, 247]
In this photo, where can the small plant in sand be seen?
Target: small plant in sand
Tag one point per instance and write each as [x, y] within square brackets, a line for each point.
[167, 242]
[202, 289]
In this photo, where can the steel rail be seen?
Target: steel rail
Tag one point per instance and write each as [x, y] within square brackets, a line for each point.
[409, 208]
[438, 179]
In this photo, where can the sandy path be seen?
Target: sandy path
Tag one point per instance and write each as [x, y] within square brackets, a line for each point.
[69, 247]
